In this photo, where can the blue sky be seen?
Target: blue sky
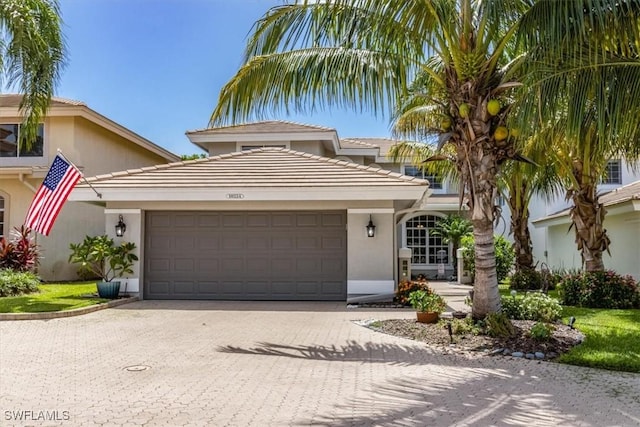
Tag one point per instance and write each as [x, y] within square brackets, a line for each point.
[157, 66]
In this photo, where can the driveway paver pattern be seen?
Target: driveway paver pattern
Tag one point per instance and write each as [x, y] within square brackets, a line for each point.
[272, 364]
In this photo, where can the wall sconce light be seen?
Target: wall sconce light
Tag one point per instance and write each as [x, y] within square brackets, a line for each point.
[371, 229]
[121, 227]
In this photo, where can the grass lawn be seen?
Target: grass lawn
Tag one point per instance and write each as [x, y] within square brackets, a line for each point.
[612, 339]
[612, 336]
[53, 297]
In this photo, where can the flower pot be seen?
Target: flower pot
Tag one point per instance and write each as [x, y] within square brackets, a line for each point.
[428, 316]
[108, 289]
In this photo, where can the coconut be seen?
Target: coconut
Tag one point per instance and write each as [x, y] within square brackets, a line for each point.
[464, 110]
[445, 123]
[493, 107]
[501, 133]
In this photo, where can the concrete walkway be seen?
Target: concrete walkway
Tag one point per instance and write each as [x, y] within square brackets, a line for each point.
[274, 364]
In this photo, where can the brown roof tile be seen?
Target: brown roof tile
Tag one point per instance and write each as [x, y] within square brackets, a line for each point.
[263, 167]
[273, 126]
[12, 100]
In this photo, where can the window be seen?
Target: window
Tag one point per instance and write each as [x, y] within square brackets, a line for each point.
[1, 216]
[10, 142]
[435, 181]
[425, 248]
[613, 173]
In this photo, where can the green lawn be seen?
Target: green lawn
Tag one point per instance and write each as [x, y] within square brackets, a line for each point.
[53, 297]
[612, 339]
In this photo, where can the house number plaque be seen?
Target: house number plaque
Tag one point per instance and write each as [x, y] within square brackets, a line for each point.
[235, 196]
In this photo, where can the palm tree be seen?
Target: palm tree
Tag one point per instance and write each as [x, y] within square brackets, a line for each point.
[362, 54]
[586, 76]
[32, 54]
[452, 229]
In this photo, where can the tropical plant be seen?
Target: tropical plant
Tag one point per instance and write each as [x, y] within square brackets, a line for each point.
[427, 301]
[452, 229]
[32, 53]
[363, 54]
[532, 306]
[20, 253]
[100, 256]
[586, 78]
[406, 287]
[600, 289]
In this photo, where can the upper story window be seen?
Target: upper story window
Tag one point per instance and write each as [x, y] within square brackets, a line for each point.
[613, 173]
[10, 142]
[1, 216]
[435, 181]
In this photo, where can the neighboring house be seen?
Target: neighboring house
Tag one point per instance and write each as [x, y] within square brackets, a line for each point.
[93, 142]
[279, 211]
[555, 243]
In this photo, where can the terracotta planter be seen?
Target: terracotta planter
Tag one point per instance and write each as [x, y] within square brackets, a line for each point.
[108, 289]
[428, 316]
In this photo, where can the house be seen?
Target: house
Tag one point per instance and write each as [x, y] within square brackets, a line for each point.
[278, 211]
[622, 223]
[93, 142]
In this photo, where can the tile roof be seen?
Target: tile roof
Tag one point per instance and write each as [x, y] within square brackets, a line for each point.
[260, 168]
[13, 100]
[384, 144]
[614, 197]
[272, 126]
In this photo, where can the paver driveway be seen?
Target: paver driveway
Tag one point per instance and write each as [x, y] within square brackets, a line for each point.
[231, 363]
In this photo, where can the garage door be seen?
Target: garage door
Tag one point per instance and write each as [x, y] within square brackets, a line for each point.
[246, 255]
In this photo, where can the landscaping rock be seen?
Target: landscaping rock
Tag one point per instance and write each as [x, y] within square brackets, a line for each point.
[530, 356]
[517, 354]
[497, 351]
[539, 355]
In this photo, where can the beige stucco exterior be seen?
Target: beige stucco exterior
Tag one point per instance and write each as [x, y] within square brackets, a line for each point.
[622, 228]
[94, 144]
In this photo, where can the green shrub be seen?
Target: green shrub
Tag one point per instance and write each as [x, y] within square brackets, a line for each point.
[541, 331]
[505, 256]
[526, 280]
[531, 306]
[406, 287]
[464, 326]
[499, 325]
[600, 289]
[13, 283]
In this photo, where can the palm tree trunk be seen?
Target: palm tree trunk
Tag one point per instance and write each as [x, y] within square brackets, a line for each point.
[588, 215]
[522, 244]
[486, 298]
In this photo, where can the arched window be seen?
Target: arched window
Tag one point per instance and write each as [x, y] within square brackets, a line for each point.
[425, 248]
[2, 216]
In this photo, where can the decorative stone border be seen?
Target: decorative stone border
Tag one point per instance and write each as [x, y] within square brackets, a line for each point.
[68, 313]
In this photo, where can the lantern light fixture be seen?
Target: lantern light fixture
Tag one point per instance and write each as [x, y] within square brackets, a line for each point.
[121, 227]
[371, 229]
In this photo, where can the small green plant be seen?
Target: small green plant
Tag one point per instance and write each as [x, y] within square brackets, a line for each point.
[100, 256]
[464, 326]
[499, 325]
[526, 280]
[427, 301]
[531, 306]
[407, 286]
[13, 283]
[541, 331]
[600, 289]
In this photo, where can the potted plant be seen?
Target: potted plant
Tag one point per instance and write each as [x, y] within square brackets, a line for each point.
[428, 305]
[100, 256]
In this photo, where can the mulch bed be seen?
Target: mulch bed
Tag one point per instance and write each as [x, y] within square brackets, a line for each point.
[562, 340]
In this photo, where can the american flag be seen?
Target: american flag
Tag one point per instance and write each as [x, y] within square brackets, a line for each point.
[51, 195]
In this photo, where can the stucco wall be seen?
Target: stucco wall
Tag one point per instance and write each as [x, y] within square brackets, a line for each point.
[95, 150]
[624, 232]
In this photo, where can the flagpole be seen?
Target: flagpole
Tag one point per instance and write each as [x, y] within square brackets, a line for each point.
[80, 172]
